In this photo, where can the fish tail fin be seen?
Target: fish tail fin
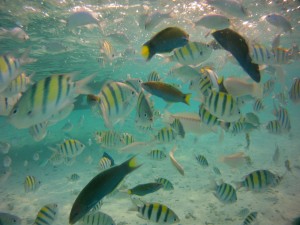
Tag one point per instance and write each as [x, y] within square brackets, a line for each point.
[82, 85]
[131, 164]
[146, 52]
[187, 99]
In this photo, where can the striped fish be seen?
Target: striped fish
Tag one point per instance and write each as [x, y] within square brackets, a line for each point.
[31, 183]
[250, 219]
[106, 161]
[144, 111]
[283, 118]
[45, 98]
[201, 85]
[263, 55]
[157, 213]
[97, 218]
[7, 103]
[165, 135]
[19, 84]
[202, 160]
[178, 127]
[46, 215]
[70, 148]
[225, 193]
[241, 126]
[74, 177]
[294, 92]
[216, 170]
[107, 51]
[127, 138]
[117, 100]
[39, 131]
[193, 53]
[274, 127]
[109, 139]
[259, 180]
[157, 154]
[56, 159]
[223, 106]
[258, 105]
[211, 120]
[167, 185]
[268, 87]
[153, 76]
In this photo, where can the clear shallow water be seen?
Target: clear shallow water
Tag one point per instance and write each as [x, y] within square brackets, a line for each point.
[193, 198]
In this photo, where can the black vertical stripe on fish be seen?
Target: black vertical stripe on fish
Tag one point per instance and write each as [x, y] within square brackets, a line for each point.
[158, 213]
[150, 211]
[176, 56]
[238, 47]
[216, 102]
[59, 89]
[188, 47]
[224, 103]
[143, 209]
[113, 93]
[181, 53]
[46, 91]
[107, 102]
[68, 86]
[167, 214]
[8, 65]
[210, 99]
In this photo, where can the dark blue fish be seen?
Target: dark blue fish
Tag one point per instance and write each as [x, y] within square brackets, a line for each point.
[238, 47]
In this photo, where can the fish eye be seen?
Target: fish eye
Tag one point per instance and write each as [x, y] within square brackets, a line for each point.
[132, 92]
[145, 114]
[15, 111]
[29, 112]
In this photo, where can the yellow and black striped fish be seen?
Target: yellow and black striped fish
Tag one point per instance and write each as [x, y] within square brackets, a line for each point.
[157, 213]
[46, 98]
[294, 92]
[202, 160]
[258, 105]
[71, 148]
[165, 135]
[97, 218]
[109, 139]
[283, 118]
[157, 154]
[106, 161]
[193, 53]
[268, 87]
[116, 101]
[259, 180]
[39, 131]
[19, 84]
[223, 106]
[178, 127]
[167, 185]
[153, 76]
[250, 219]
[46, 215]
[127, 138]
[226, 193]
[274, 127]
[31, 183]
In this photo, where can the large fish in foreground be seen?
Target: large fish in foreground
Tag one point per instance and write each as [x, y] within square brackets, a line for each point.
[238, 47]
[100, 186]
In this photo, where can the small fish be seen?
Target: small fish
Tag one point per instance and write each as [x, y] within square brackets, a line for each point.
[106, 161]
[46, 215]
[56, 159]
[9, 219]
[74, 177]
[166, 91]
[226, 193]
[31, 183]
[222, 105]
[164, 41]
[184, 73]
[252, 118]
[107, 51]
[19, 84]
[81, 18]
[39, 131]
[109, 139]
[153, 76]
[238, 47]
[45, 98]
[283, 118]
[274, 127]
[156, 212]
[259, 180]
[15, 33]
[155, 18]
[243, 212]
[70, 148]
[167, 185]
[7, 103]
[193, 53]
[127, 138]
[241, 126]
[294, 92]
[258, 105]
[174, 162]
[216, 171]
[144, 111]
[144, 189]
[4, 147]
[231, 7]
[67, 127]
[202, 160]
[269, 87]
[235, 160]
[287, 164]
[97, 218]
[94, 191]
[250, 219]
[157, 154]
[279, 21]
[178, 127]
[214, 22]
[116, 101]
[165, 135]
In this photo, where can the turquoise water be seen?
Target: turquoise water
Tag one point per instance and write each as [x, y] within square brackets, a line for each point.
[78, 51]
